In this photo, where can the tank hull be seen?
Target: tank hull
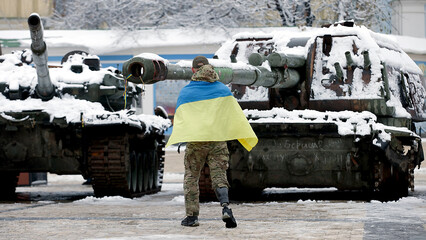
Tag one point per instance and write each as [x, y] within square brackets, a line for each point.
[315, 155]
[120, 159]
[299, 155]
[30, 146]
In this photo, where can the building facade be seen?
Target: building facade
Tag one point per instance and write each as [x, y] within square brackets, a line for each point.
[14, 13]
[409, 18]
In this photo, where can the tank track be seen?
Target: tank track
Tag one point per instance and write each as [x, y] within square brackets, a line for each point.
[390, 183]
[161, 153]
[116, 169]
[8, 183]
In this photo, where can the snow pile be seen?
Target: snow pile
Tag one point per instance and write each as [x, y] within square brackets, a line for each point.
[348, 122]
[402, 201]
[13, 71]
[14, 75]
[178, 199]
[73, 109]
[114, 200]
[63, 75]
[274, 190]
[64, 179]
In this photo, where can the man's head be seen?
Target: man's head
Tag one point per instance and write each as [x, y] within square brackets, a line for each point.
[198, 62]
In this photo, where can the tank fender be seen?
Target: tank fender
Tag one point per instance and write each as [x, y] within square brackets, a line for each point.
[398, 156]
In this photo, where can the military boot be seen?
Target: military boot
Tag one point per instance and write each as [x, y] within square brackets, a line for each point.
[190, 221]
[227, 216]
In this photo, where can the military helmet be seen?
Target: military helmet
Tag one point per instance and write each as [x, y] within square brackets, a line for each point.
[199, 61]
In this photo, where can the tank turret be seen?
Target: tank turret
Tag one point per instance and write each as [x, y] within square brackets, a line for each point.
[332, 76]
[45, 88]
[79, 75]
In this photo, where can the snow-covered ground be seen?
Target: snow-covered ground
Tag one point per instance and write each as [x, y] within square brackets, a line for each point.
[66, 209]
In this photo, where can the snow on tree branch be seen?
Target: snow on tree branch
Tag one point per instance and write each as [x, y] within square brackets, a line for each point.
[143, 14]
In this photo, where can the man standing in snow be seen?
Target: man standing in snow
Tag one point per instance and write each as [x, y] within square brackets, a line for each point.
[207, 115]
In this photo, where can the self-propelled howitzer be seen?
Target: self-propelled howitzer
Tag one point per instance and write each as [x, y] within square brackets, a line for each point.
[335, 109]
[76, 118]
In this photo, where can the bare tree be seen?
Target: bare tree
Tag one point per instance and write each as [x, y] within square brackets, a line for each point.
[295, 12]
[374, 14]
[142, 14]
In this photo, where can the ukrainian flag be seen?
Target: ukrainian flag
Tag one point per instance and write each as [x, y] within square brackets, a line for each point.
[207, 111]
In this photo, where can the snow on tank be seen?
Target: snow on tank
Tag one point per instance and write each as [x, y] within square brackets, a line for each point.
[337, 70]
[73, 75]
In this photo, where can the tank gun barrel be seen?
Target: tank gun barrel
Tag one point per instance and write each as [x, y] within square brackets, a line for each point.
[141, 69]
[44, 89]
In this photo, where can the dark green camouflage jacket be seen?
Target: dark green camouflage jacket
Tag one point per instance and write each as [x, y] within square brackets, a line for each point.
[205, 73]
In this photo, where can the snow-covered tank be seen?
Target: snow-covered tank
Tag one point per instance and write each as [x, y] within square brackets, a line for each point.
[332, 107]
[76, 118]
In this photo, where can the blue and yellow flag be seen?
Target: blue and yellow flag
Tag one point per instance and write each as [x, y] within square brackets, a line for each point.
[207, 111]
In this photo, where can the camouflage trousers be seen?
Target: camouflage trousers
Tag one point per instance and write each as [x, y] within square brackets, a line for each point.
[216, 155]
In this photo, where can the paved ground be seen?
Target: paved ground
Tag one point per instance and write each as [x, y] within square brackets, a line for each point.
[65, 209]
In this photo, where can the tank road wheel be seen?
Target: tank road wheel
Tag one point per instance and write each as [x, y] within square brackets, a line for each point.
[118, 167]
[397, 186]
[139, 162]
[158, 178]
[8, 182]
[392, 182]
[155, 171]
[205, 185]
[155, 166]
[151, 170]
[145, 161]
[401, 183]
[132, 174]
